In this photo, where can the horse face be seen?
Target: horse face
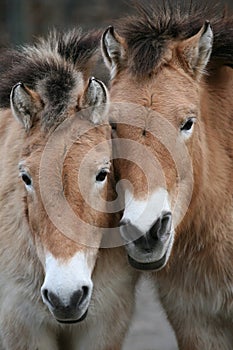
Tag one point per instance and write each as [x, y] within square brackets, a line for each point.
[157, 140]
[65, 175]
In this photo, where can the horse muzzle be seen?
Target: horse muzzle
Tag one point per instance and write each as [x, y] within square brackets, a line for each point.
[73, 311]
[150, 250]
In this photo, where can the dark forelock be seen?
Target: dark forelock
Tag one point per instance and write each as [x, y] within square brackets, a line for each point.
[156, 23]
[62, 56]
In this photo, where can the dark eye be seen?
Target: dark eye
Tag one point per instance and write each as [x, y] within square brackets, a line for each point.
[113, 125]
[101, 176]
[26, 179]
[187, 126]
[113, 129]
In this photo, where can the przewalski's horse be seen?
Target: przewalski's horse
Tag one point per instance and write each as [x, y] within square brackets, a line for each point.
[43, 91]
[173, 71]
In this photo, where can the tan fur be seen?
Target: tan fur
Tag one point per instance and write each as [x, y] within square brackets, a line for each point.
[27, 234]
[196, 285]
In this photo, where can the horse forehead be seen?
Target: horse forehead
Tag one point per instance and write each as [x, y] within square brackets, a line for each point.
[152, 106]
[170, 82]
[77, 135]
[173, 88]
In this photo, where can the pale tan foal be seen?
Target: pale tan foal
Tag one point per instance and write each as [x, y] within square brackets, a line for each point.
[172, 85]
[52, 272]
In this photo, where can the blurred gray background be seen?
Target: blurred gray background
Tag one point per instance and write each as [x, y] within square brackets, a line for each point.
[20, 22]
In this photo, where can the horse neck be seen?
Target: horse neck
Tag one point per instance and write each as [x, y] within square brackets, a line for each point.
[208, 217]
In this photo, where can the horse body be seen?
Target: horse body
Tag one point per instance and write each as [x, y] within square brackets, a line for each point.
[46, 253]
[199, 301]
[162, 68]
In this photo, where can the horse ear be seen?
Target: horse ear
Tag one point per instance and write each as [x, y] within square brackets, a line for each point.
[24, 104]
[113, 50]
[197, 49]
[96, 99]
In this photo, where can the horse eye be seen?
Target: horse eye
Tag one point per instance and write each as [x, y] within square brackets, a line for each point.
[26, 179]
[187, 126]
[113, 125]
[101, 176]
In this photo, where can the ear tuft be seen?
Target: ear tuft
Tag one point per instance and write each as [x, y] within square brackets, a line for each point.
[205, 45]
[197, 49]
[24, 104]
[96, 99]
[113, 50]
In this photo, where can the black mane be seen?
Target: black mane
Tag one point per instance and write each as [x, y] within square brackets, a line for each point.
[156, 23]
[52, 62]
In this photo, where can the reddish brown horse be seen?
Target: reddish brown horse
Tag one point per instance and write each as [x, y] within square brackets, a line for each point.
[171, 65]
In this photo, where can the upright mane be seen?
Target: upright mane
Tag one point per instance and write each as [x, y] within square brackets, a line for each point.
[155, 24]
[54, 67]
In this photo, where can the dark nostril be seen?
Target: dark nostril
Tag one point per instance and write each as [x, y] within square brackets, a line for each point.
[162, 226]
[51, 298]
[129, 232]
[154, 229]
[79, 297]
[166, 223]
[85, 294]
[45, 294]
